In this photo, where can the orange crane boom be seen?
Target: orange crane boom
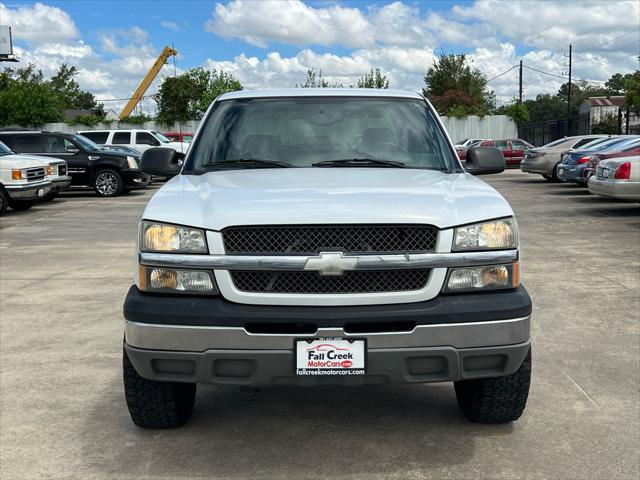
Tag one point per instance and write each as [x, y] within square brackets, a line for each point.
[146, 81]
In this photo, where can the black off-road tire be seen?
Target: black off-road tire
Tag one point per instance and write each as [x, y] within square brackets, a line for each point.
[4, 201]
[495, 400]
[20, 205]
[155, 404]
[108, 183]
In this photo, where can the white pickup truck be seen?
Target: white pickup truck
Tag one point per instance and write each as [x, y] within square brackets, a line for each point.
[319, 237]
[23, 180]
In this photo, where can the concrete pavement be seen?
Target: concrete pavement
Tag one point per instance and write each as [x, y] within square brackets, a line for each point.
[65, 268]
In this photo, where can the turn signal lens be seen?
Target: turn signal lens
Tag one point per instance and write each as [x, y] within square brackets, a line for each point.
[486, 236]
[170, 280]
[16, 175]
[492, 277]
[50, 170]
[159, 237]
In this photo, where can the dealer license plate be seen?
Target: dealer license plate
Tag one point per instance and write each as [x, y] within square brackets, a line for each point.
[41, 192]
[604, 173]
[560, 171]
[330, 356]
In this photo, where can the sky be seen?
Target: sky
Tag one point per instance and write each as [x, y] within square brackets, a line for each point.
[272, 43]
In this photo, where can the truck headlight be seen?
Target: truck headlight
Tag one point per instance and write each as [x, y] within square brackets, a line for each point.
[496, 234]
[162, 237]
[176, 280]
[51, 170]
[490, 277]
[133, 163]
[17, 175]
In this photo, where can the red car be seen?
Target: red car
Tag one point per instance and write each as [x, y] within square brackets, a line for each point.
[513, 149]
[179, 137]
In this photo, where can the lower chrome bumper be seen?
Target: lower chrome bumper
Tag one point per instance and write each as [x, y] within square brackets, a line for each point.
[31, 191]
[231, 355]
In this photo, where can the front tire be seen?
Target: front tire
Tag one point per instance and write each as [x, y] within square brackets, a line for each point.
[495, 400]
[4, 202]
[154, 404]
[20, 205]
[49, 197]
[108, 183]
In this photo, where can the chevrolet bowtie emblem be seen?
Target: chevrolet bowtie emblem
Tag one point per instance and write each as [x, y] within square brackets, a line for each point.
[331, 263]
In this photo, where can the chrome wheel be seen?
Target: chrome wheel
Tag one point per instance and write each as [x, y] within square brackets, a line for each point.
[107, 184]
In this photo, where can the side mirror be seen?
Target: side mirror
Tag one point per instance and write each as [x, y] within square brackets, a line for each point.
[160, 162]
[485, 160]
[155, 142]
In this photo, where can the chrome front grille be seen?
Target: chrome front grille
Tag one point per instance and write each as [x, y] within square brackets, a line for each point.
[348, 282]
[35, 174]
[313, 239]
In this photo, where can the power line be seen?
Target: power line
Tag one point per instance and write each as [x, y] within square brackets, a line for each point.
[152, 95]
[546, 73]
[501, 74]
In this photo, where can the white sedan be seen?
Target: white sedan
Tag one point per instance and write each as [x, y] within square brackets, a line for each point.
[617, 178]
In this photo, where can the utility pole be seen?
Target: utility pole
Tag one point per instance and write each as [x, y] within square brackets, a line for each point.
[569, 94]
[520, 89]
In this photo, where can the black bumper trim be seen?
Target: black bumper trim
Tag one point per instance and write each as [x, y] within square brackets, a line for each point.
[216, 311]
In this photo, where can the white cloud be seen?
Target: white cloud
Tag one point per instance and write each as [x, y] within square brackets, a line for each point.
[290, 21]
[171, 26]
[39, 23]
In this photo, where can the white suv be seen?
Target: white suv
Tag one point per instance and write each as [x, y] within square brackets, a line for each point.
[141, 140]
[326, 236]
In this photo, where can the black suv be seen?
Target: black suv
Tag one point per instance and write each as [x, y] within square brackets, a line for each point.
[109, 173]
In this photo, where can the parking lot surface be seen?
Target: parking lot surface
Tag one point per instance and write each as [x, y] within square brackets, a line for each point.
[65, 268]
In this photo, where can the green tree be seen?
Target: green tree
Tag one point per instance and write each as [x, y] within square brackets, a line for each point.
[453, 86]
[63, 84]
[545, 107]
[518, 112]
[29, 104]
[373, 80]
[607, 125]
[632, 91]
[187, 96]
[314, 80]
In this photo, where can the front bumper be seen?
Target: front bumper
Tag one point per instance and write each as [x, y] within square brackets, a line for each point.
[211, 340]
[28, 191]
[134, 178]
[621, 189]
[58, 184]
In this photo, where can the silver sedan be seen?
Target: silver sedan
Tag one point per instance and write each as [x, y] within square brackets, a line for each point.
[617, 178]
[544, 160]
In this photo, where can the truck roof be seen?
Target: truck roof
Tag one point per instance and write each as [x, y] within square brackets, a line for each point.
[320, 92]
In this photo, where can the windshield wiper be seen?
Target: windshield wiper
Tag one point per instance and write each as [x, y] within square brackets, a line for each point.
[359, 162]
[246, 163]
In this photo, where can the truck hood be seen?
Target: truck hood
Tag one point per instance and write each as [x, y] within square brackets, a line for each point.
[342, 195]
[27, 161]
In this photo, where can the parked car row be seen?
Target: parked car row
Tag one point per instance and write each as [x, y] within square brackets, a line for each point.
[608, 165]
[68, 161]
[513, 149]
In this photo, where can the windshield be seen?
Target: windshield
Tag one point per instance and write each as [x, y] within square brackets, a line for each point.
[86, 143]
[160, 137]
[4, 150]
[305, 131]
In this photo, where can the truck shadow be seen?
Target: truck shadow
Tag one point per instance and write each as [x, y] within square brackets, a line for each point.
[288, 431]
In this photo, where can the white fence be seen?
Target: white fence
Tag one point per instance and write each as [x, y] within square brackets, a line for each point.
[490, 126]
[187, 127]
